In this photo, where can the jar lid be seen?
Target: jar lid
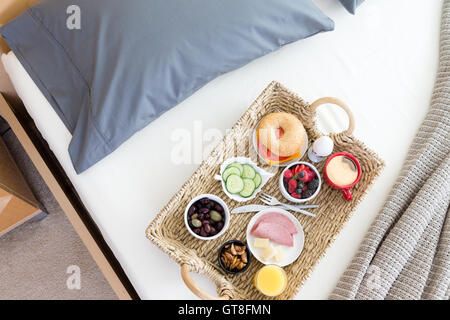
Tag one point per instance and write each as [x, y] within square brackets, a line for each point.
[323, 146]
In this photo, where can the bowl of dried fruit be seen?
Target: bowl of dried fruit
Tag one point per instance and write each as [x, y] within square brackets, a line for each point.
[234, 257]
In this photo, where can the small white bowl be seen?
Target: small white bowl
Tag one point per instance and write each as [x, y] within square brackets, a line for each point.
[225, 210]
[284, 191]
[265, 177]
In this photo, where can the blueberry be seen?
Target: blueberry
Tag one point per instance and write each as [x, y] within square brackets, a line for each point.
[301, 174]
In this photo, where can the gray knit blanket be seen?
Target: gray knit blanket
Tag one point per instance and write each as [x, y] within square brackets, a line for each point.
[406, 253]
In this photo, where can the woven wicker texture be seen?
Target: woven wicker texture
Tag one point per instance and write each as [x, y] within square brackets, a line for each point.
[169, 233]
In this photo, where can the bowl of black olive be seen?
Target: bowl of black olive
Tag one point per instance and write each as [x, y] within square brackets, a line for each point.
[207, 217]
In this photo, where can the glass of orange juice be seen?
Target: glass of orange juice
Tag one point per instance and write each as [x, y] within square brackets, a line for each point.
[271, 280]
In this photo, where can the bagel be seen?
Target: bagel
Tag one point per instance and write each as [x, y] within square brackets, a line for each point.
[285, 142]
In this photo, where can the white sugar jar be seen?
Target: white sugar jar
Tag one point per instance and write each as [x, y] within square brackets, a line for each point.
[320, 149]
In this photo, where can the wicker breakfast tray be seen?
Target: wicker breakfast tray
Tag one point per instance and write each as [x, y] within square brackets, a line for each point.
[169, 232]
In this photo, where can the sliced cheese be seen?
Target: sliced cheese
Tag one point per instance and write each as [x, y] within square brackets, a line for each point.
[268, 253]
[261, 243]
[298, 155]
[279, 254]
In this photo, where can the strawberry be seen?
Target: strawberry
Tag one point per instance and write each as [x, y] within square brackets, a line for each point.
[296, 170]
[292, 185]
[288, 174]
[303, 175]
[296, 195]
[309, 176]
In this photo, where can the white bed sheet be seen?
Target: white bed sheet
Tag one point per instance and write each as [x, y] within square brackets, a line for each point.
[382, 62]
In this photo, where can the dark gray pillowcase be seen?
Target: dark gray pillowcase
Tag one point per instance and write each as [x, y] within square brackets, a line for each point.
[133, 60]
[351, 5]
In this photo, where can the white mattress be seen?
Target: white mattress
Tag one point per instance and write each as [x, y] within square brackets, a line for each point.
[382, 62]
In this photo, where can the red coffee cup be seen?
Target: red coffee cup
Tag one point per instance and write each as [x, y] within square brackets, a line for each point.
[345, 189]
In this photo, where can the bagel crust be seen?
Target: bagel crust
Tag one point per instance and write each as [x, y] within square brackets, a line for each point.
[293, 133]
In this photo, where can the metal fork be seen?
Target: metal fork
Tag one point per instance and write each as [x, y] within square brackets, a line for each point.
[272, 201]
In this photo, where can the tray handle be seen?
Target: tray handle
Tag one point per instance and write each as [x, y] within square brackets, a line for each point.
[336, 101]
[202, 294]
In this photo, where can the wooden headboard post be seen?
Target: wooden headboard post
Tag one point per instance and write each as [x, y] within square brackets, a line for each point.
[52, 172]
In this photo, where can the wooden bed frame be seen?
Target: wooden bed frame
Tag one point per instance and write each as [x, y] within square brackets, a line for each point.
[13, 111]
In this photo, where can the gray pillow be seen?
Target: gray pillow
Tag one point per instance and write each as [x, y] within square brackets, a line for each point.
[351, 5]
[124, 63]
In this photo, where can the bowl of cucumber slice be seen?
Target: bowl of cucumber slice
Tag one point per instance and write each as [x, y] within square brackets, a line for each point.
[242, 179]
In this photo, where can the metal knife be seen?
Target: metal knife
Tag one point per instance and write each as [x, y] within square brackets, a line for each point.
[258, 207]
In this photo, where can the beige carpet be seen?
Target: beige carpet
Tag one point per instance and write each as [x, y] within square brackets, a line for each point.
[35, 256]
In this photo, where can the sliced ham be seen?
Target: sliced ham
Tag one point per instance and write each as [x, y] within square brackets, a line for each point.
[278, 218]
[275, 232]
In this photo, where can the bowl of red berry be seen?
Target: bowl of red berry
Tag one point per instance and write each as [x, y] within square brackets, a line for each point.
[207, 217]
[300, 182]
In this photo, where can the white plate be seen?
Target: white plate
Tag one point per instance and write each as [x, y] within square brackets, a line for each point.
[290, 253]
[265, 176]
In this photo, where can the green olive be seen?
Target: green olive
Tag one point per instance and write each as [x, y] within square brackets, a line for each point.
[194, 216]
[215, 216]
[196, 223]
